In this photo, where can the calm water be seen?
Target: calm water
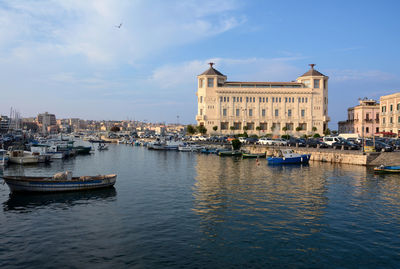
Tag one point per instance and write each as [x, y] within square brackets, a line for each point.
[171, 209]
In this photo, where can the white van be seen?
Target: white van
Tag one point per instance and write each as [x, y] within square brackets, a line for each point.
[329, 140]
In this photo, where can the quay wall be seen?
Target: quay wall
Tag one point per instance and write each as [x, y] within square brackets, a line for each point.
[329, 155]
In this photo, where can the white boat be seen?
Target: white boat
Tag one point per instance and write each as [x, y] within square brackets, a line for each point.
[189, 147]
[3, 157]
[46, 150]
[102, 147]
[23, 157]
[59, 184]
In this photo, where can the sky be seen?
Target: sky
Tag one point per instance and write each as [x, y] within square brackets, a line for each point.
[67, 57]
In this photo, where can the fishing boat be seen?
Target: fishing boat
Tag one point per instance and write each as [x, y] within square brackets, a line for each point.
[3, 157]
[59, 182]
[288, 156]
[23, 157]
[387, 169]
[82, 150]
[189, 147]
[253, 155]
[233, 153]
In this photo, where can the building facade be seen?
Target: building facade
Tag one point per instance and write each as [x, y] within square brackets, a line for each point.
[47, 122]
[297, 107]
[390, 114]
[362, 119]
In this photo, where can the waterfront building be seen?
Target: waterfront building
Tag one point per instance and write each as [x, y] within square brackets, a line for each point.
[362, 119]
[4, 123]
[263, 107]
[47, 122]
[390, 114]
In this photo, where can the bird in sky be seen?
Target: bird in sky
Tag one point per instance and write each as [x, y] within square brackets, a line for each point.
[119, 26]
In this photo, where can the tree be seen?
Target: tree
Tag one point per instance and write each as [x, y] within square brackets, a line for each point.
[327, 131]
[316, 135]
[201, 129]
[334, 132]
[115, 129]
[284, 129]
[232, 129]
[236, 144]
[215, 128]
[245, 128]
[190, 129]
[245, 134]
[298, 129]
[314, 129]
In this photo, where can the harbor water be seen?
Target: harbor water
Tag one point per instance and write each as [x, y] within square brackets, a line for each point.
[187, 210]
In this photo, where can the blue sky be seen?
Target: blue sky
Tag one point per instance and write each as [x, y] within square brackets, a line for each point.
[68, 58]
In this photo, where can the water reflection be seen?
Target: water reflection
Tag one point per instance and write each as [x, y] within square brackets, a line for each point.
[247, 196]
[25, 202]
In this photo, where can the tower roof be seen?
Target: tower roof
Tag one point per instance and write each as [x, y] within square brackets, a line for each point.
[212, 71]
[312, 72]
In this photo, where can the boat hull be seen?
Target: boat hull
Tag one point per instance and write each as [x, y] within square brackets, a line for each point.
[304, 158]
[247, 155]
[26, 184]
[387, 169]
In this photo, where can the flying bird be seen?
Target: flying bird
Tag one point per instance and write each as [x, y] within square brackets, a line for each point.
[119, 26]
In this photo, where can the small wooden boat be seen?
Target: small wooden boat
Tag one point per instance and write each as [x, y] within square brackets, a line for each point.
[54, 184]
[288, 156]
[254, 155]
[387, 169]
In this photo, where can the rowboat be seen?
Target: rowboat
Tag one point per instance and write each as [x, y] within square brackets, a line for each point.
[255, 155]
[53, 184]
[288, 156]
[387, 169]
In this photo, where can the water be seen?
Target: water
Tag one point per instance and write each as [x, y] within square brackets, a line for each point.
[185, 210]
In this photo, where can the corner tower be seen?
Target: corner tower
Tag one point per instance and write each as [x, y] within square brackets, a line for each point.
[318, 87]
[207, 103]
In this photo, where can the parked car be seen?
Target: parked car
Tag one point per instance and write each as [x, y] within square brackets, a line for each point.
[251, 140]
[346, 144]
[332, 139]
[266, 141]
[296, 141]
[242, 139]
[313, 143]
[379, 146]
[280, 142]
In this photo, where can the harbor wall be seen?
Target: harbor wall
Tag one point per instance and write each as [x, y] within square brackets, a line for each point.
[328, 155]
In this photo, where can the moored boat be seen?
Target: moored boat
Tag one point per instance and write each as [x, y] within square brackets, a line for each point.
[3, 157]
[23, 157]
[54, 184]
[82, 150]
[387, 169]
[288, 156]
[235, 153]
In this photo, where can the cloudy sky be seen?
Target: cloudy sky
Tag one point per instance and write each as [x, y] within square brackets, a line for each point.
[68, 58]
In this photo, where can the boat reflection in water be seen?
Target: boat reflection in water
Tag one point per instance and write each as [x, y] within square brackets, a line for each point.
[25, 202]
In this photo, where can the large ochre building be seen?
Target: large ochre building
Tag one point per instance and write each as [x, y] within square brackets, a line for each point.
[263, 107]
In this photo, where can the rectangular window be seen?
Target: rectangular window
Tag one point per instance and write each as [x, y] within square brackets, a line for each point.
[398, 120]
[227, 99]
[391, 119]
[286, 100]
[289, 113]
[224, 98]
[247, 99]
[383, 108]
[263, 113]
[398, 107]
[210, 82]
[383, 120]
[279, 99]
[276, 112]
[273, 99]
[201, 111]
[240, 99]
[220, 99]
[224, 112]
[303, 112]
[260, 100]
[201, 83]
[316, 83]
[292, 99]
[266, 100]
[391, 107]
[234, 99]
[250, 112]
[237, 112]
[263, 99]
[367, 130]
[377, 129]
[306, 99]
[201, 99]
[254, 99]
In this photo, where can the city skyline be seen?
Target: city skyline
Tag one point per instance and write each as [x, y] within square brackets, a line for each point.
[139, 60]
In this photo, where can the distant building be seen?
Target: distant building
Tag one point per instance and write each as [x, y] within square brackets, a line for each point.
[390, 114]
[4, 123]
[362, 119]
[263, 107]
[46, 122]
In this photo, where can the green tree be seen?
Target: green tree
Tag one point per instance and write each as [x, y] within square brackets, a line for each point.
[327, 131]
[284, 129]
[190, 129]
[316, 135]
[115, 129]
[215, 128]
[236, 144]
[245, 128]
[334, 132]
[298, 129]
[201, 129]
